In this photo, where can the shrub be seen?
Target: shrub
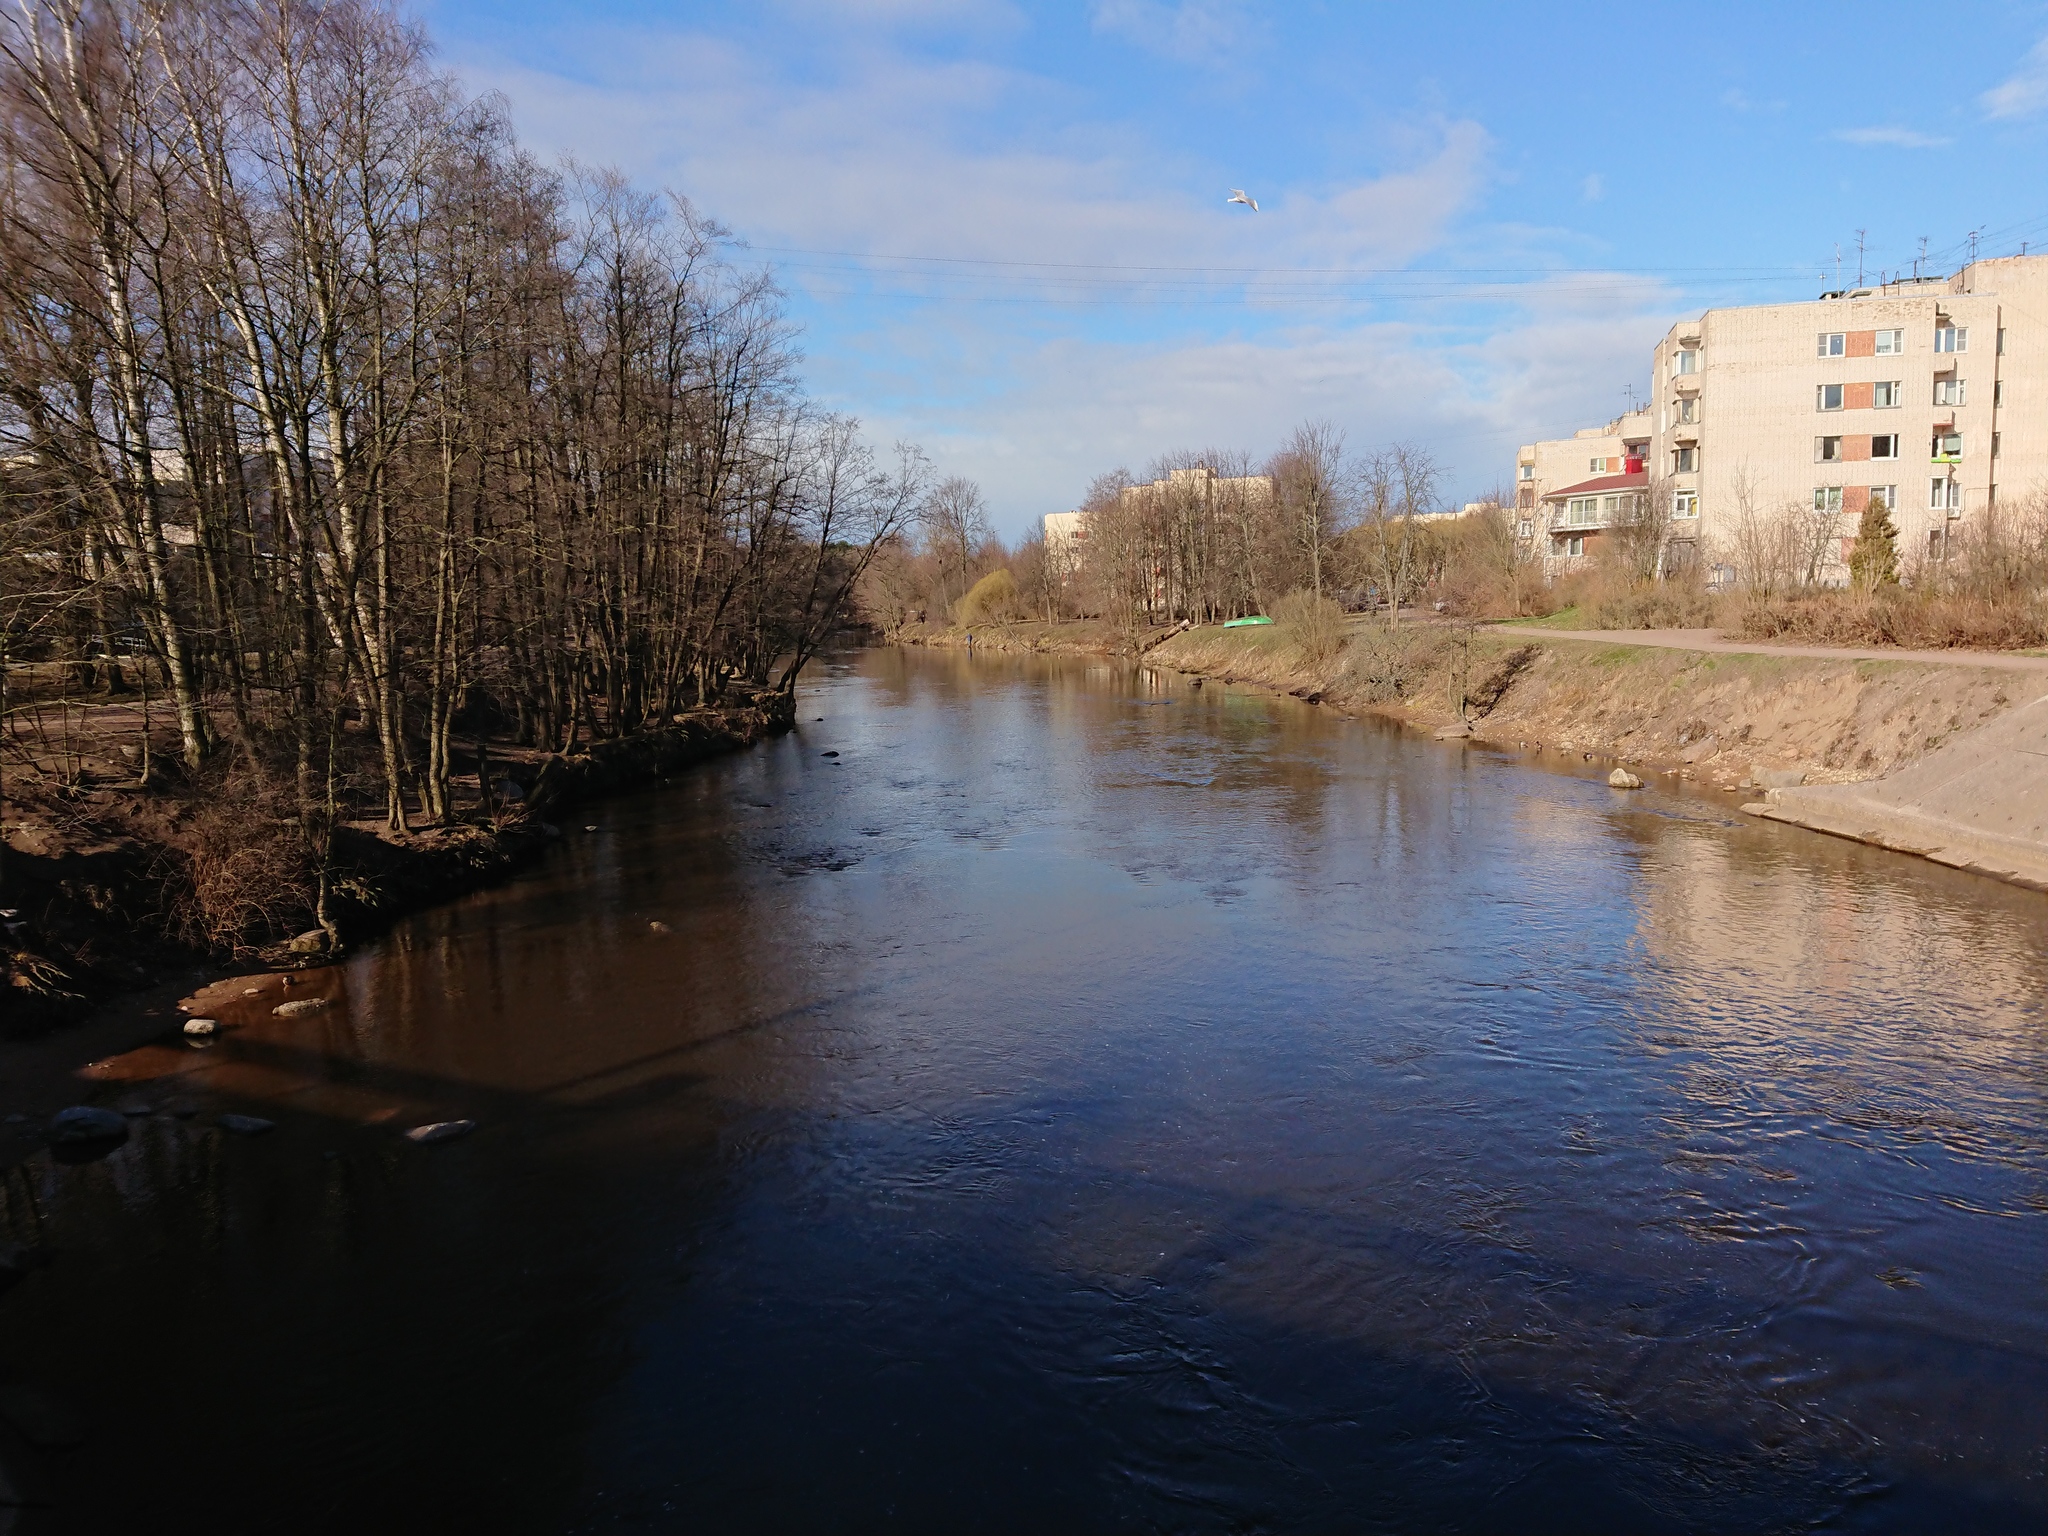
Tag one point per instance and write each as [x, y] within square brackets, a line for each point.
[1314, 624]
[992, 600]
[1387, 663]
[238, 875]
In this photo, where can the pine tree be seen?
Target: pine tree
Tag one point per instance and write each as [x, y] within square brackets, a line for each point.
[1874, 557]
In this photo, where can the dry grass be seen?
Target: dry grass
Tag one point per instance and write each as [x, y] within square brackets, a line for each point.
[1607, 599]
[1912, 620]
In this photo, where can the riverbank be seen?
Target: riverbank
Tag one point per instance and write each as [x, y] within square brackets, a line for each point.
[96, 873]
[1071, 637]
[1716, 713]
[1724, 718]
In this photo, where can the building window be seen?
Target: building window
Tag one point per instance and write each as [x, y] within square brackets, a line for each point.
[1832, 344]
[1528, 471]
[1948, 447]
[1888, 494]
[1575, 545]
[1827, 498]
[1937, 543]
[1994, 443]
[1685, 504]
[1885, 447]
[1997, 393]
[1951, 338]
[1949, 391]
[1944, 494]
[1597, 466]
[1687, 361]
[1688, 409]
[2001, 341]
[1525, 528]
[1891, 343]
[1827, 397]
[1827, 450]
[1684, 460]
[1887, 394]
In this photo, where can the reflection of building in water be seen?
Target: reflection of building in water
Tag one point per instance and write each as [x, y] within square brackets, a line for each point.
[1784, 932]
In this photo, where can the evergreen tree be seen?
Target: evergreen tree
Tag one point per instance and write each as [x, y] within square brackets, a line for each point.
[1874, 557]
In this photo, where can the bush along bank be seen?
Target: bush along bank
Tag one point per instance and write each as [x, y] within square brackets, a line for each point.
[109, 891]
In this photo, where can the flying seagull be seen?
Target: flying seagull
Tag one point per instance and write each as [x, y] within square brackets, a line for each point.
[1237, 196]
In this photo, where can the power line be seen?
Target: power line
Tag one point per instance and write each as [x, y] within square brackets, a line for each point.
[869, 258]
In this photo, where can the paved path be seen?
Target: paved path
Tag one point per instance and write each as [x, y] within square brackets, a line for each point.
[1710, 640]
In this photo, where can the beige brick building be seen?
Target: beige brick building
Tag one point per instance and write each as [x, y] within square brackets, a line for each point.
[1554, 480]
[1932, 393]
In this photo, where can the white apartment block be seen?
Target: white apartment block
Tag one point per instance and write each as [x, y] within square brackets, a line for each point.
[1931, 393]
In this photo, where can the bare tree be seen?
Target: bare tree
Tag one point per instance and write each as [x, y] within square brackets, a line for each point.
[1310, 476]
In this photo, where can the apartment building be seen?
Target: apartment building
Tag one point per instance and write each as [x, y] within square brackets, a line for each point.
[1561, 487]
[1932, 393]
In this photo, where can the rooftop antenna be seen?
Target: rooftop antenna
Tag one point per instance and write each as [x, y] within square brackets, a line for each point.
[1859, 257]
[1921, 258]
[1973, 244]
[1838, 265]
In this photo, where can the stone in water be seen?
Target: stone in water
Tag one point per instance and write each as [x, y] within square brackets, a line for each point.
[1621, 778]
[83, 1124]
[440, 1130]
[298, 1006]
[201, 1026]
[246, 1125]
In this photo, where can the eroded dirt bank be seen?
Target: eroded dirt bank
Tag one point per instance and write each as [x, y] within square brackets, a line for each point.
[1721, 719]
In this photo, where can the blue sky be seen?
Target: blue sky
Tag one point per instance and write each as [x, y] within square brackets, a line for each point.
[1002, 226]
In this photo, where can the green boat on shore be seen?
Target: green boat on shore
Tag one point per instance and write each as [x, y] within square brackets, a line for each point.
[1257, 618]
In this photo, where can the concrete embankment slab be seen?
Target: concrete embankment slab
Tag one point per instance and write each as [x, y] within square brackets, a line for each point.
[1980, 802]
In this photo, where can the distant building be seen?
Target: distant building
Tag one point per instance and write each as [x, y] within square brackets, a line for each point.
[1574, 519]
[1066, 534]
[1930, 393]
[1551, 475]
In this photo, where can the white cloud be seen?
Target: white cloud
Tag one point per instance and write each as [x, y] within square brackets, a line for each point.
[1212, 32]
[889, 153]
[1066, 409]
[946, 158]
[1593, 188]
[1895, 138]
[1736, 99]
[2026, 92]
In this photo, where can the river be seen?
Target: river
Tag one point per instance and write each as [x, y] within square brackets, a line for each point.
[1091, 1101]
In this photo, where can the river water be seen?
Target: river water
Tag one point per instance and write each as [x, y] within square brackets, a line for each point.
[1094, 1102]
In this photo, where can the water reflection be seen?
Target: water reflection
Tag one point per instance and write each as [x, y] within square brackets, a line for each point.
[1091, 1101]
